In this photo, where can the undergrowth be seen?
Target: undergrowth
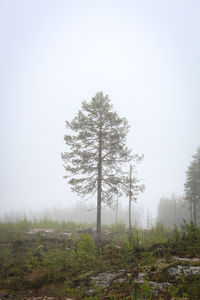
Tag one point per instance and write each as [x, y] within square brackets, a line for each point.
[63, 265]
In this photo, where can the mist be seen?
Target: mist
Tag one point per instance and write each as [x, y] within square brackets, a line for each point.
[54, 55]
[86, 215]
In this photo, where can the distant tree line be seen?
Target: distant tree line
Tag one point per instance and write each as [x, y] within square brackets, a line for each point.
[173, 210]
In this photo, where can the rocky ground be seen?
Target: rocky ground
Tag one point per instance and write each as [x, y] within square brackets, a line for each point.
[153, 277]
[47, 265]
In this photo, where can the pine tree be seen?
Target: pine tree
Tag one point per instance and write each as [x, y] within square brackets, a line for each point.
[132, 187]
[192, 184]
[97, 152]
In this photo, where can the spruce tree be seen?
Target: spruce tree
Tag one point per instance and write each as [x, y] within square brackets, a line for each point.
[192, 184]
[97, 152]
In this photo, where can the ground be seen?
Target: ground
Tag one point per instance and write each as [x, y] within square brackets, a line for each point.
[60, 261]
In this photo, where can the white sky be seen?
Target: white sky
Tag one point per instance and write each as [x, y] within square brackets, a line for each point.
[54, 54]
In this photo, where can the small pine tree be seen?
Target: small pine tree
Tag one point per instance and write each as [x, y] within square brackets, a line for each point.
[133, 187]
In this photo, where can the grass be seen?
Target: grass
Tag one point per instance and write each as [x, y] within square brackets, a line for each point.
[62, 265]
[24, 225]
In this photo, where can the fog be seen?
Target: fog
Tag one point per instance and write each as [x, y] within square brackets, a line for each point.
[86, 215]
[55, 54]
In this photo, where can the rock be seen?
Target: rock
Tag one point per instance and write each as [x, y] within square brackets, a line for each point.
[120, 280]
[105, 279]
[39, 230]
[90, 292]
[140, 278]
[158, 286]
[66, 233]
[155, 286]
[186, 270]
[186, 259]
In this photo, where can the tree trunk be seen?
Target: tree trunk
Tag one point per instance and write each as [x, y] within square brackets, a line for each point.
[148, 221]
[130, 214]
[99, 187]
[175, 211]
[116, 212]
[191, 213]
[130, 198]
[195, 211]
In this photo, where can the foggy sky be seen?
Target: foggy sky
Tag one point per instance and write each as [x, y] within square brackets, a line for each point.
[55, 54]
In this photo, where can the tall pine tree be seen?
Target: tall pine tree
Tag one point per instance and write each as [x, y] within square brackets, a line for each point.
[97, 152]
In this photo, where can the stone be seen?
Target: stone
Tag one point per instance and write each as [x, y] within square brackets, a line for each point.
[155, 286]
[33, 231]
[66, 233]
[185, 270]
[140, 278]
[120, 280]
[186, 259]
[105, 279]
[158, 286]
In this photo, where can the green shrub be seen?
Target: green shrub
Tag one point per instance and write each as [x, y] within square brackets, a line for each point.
[84, 253]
